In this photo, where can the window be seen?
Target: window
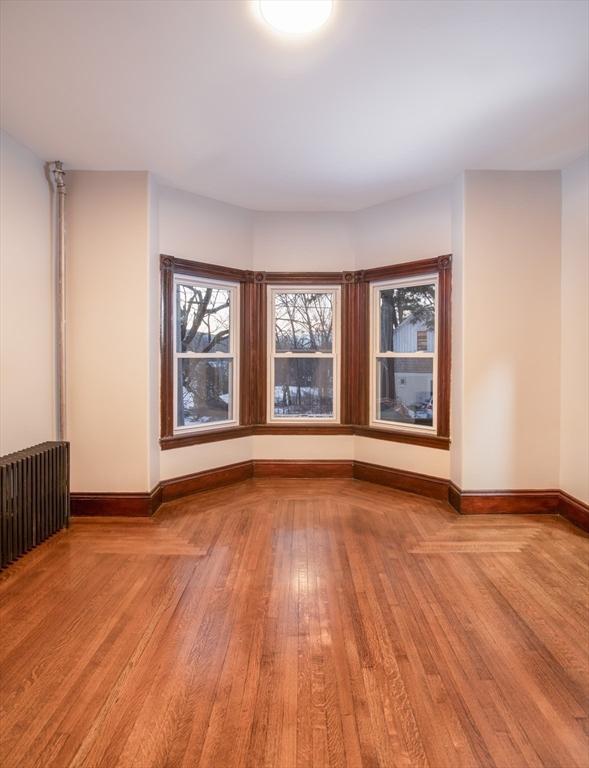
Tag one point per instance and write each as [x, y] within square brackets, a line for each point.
[303, 344]
[422, 341]
[404, 365]
[316, 353]
[205, 354]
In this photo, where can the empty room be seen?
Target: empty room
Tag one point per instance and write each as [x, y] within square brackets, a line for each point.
[294, 392]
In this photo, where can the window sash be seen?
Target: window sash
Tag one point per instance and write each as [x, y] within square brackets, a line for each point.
[293, 355]
[376, 354]
[232, 354]
[419, 355]
[308, 355]
[198, 355]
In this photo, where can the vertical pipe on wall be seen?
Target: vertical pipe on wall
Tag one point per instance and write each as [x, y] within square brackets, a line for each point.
[59, 184]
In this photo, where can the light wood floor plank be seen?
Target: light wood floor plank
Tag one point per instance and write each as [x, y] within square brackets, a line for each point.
[298, 624]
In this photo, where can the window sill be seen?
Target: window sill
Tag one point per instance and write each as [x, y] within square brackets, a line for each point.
[196, 438]
[232, 433]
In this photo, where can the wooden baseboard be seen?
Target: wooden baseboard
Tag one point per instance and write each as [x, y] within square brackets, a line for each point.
[145, 504]
[526, 502]
[206, 480]
[303, 468]
[465, 502]
[503, 502]
[454, 496]
[115, 504]
[574, 510]
[402, 480]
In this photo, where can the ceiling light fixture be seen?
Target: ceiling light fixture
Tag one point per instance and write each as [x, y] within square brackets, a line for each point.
[295, 17]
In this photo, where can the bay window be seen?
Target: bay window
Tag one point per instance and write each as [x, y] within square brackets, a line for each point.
[362, 353]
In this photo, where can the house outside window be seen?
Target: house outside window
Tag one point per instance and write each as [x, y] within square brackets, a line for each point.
[404, 367]
[422, 341]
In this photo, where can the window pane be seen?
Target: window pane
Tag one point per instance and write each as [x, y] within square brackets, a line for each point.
[407, 319]
[202, 318]
[205, 390]
[405, 390]
[303, 387]
[303, 322]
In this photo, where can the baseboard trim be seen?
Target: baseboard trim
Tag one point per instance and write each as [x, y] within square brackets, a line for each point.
[507, 502]
[303, 468]
[146, 504]
[402, 480]
[520, 502]
[115, 504]
[465, 502]
[574, 510]
[206, 480]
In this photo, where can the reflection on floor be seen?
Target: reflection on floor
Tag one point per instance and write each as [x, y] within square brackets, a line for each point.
[298, 623]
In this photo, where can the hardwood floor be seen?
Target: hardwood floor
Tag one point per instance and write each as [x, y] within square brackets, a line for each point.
[300, 623]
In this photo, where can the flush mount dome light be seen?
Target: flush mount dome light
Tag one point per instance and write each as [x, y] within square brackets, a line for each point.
[295, 17]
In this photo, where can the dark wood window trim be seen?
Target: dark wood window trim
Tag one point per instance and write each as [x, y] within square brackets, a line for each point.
[170, 267]
[355, 351]
[442, 266]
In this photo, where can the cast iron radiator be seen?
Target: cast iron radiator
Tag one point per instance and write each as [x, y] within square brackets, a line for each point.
[34, 497]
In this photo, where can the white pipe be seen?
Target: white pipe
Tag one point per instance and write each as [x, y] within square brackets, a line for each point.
[60, 307]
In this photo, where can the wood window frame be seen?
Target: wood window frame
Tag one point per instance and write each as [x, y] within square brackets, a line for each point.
[334, 355]
[376, 354]
[232, 354]
[355, 289]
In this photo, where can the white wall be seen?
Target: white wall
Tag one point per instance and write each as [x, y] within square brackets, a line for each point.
[200, 229]
[413, 458]
[510, 363]
[415, 227]
[574, 431]
[300, 242]
[457, 371]
[197, 458]
[27, 391]
[108, 316]
[153, 341]
[296, 447]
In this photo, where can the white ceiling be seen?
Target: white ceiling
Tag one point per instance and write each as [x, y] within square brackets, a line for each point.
[389, 98]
